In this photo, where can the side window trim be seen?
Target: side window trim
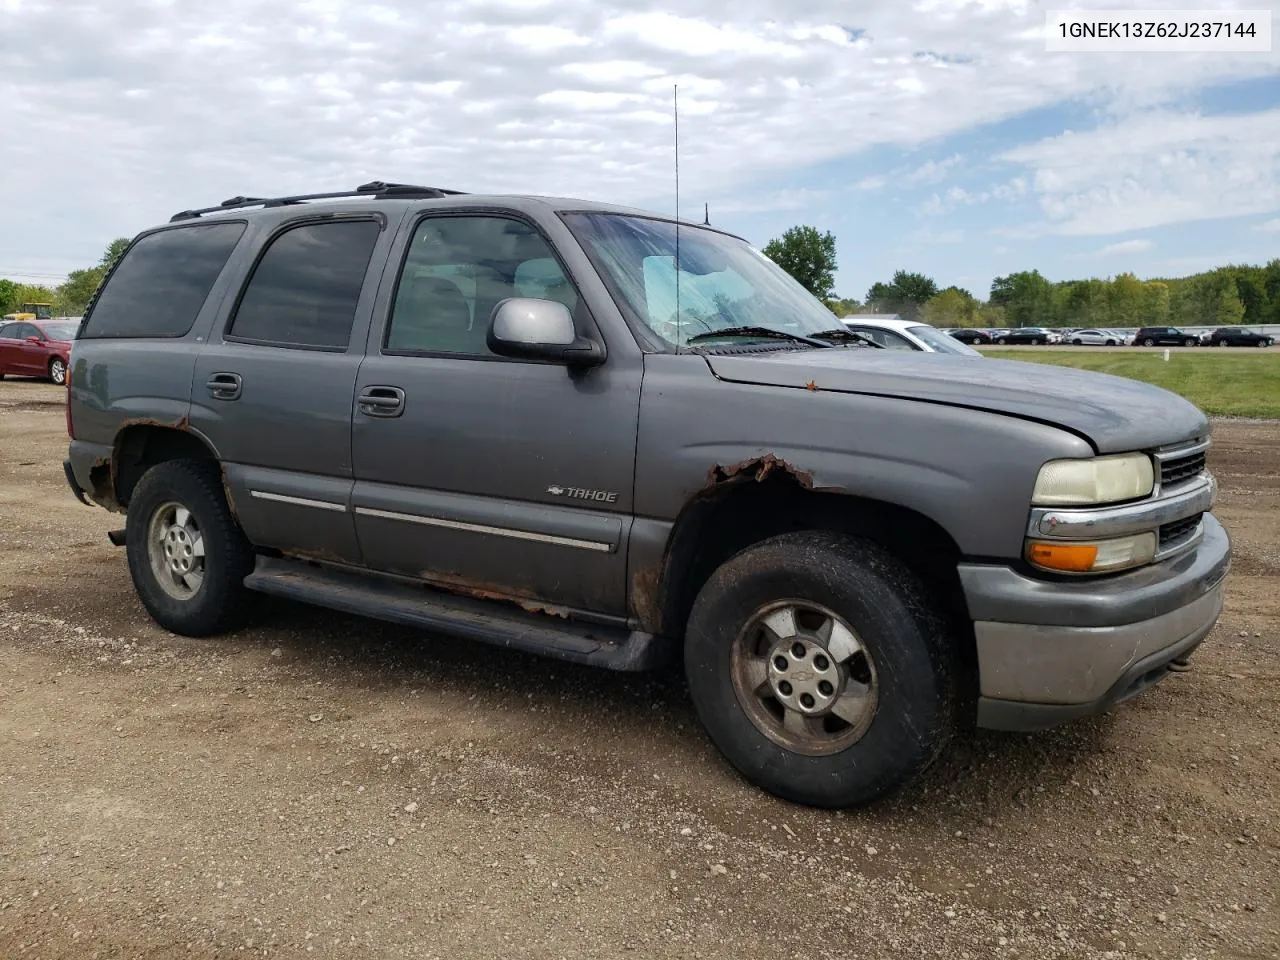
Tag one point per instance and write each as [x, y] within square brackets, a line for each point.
[386, 311]
[371, 278]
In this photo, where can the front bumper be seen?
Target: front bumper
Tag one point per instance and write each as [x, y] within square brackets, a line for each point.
[1051, 651]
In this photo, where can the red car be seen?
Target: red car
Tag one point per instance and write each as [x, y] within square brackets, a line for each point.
[36, 348]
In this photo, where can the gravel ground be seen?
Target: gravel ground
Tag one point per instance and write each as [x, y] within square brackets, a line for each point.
[327, 786]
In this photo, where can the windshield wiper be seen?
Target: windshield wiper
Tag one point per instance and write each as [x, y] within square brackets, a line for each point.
[846, 336]
[759, 332]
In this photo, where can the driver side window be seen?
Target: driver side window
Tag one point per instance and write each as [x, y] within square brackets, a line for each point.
[456, 271]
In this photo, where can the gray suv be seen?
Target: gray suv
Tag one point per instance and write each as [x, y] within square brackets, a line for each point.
[600, 435]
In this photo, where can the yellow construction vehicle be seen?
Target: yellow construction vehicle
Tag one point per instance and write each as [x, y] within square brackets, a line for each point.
[32, 311]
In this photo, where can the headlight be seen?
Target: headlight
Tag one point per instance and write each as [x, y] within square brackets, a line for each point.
[1073, 483]
[1092, 556]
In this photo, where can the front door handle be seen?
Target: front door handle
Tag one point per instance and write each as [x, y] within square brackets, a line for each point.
[383, 402]
[225, 386]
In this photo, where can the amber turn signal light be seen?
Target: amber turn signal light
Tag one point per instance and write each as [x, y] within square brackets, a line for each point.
[1068, 557]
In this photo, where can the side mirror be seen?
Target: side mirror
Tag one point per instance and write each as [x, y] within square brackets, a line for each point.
[541, 330]
[34, 340]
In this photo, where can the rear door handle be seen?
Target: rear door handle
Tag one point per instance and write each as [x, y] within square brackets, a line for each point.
[383, 402]
[225, 386]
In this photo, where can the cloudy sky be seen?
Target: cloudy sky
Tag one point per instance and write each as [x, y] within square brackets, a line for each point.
[934, 135]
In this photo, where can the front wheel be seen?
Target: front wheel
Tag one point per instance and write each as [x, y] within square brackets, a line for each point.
[819, 669]
[187, 555]
[1188, 343]
[1262, 343]
[1220, 343]
[1002, 340]
[1111, 343]
[57, 371]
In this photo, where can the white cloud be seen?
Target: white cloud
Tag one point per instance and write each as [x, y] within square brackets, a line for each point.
[1271, 226]
[954, 197]
[1125, 246]
[1155, 169]
[117, 114]
[931, 171]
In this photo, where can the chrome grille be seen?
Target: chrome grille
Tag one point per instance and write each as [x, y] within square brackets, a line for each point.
[1177, 470]
[1171, 534]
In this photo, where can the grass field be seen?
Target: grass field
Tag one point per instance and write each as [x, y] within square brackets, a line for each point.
[1231, 385]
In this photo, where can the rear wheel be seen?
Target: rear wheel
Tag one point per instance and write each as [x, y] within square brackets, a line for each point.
[1002, 340]
[819, 669]
[1148, 342]
[57, 371]
[1220, 343]
[187, 555]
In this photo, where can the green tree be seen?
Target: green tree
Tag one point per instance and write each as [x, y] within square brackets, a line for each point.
[1126, 295]
[1155, 304]
[79, 288]
[992, 316]
[1228, 311]
[905, 294]
[844, 307]
[1271, 287]
[8, 296]
[1028, 298]
[951, 307]
[113, 252]
[809, 256]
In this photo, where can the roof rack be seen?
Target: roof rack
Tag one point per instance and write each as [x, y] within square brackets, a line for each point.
[374, 188]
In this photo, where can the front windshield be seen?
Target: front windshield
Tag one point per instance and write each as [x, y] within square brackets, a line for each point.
[723, 282]
[942, 342]
[60, 331]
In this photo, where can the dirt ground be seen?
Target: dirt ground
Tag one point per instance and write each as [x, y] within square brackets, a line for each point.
[327, 786]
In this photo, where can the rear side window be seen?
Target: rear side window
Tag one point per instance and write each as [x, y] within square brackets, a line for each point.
[304, 290]
[159, 287]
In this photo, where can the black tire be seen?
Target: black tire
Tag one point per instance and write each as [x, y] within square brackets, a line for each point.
[1077, 343]
[1148, 342]
[220, 600]
[1188, 343]
[58, 371]
[1111, 343]
[1002, 341]
[885, 605]
[1262, 343]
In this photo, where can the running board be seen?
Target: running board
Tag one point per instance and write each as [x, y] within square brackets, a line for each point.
[495, 622]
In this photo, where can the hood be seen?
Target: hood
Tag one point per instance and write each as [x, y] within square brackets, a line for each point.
[1115, 414]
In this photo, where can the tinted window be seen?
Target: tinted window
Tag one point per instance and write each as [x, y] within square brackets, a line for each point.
[7, 330]
[162, 282]
[304, 290]
[457, 270]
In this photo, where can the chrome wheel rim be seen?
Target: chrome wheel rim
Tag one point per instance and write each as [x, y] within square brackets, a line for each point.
[804, 678]
[175, 547]
[58, 370]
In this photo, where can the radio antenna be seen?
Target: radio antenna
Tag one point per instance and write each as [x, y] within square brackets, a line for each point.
[675, 109]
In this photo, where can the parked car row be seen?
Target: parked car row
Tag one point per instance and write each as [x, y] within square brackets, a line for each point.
[1100, 337]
